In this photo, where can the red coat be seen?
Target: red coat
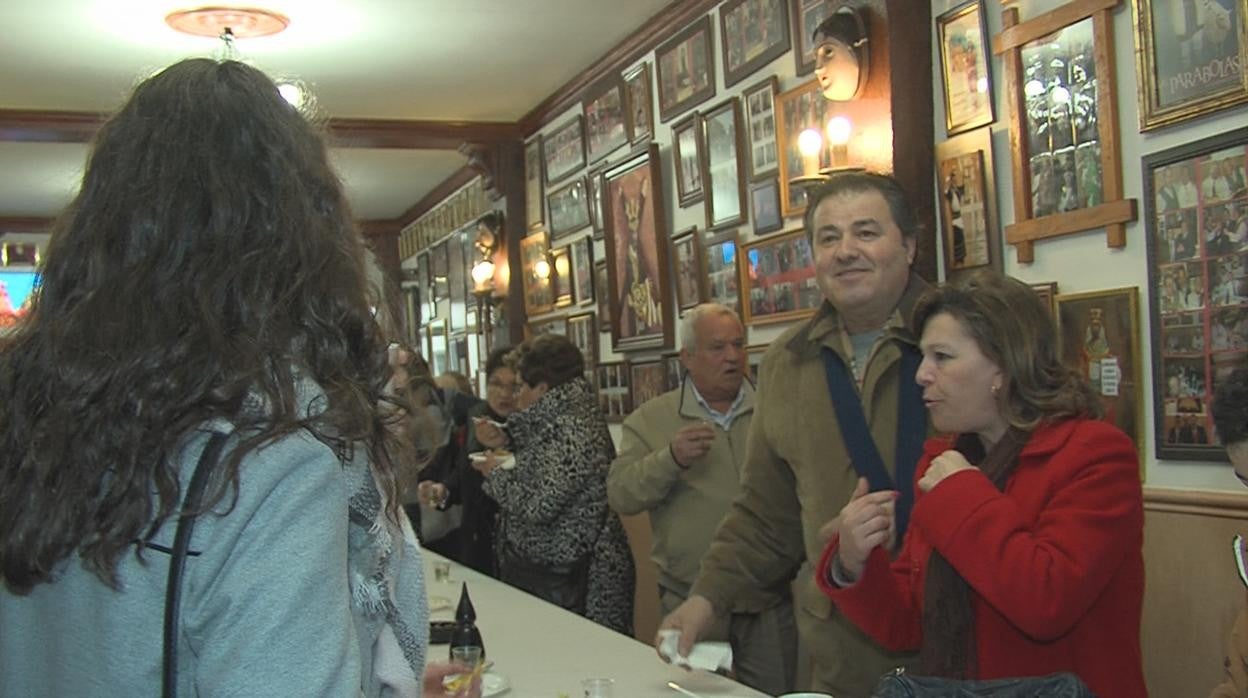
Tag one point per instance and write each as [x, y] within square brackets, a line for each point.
[1055, 562]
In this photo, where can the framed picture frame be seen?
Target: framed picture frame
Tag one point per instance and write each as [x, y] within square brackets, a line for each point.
[675, 370]
[964, 69]
[636, 244]
[752, 34]
[561, 276]
[765, 206]
[437, 347]
[1047, 290]
[685, 69]
[412, 320]
[568, 207]
[440, 268]
[584, 334]
[1196, 232]
[424, 277]
[583, 271]
[1192, 69]
[605, 116]
[807, 14]
[539, 294]
[557, 324]
[534, 199]
[687, 268]
[967, 198]
[760, 127]
[563, 150]
[1100, 337]
[723, 282]
[1064, 145]
[637, 96]
[723, 172]
[797, 110]
[687, 156]
[602, 295]
[611, 378]
[593, 181]
[647, 380]
[778, 279]
[457, 283]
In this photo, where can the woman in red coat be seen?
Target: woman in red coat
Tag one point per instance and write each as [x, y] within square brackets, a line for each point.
[1023, 555]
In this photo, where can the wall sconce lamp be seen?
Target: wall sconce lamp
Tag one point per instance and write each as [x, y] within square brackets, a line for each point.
[486, 242]
[810, 143]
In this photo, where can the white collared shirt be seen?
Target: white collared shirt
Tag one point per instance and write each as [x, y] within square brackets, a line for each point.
[721, 419]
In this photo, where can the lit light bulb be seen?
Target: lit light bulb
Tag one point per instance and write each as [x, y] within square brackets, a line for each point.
[542, 269]
[809, 143]
[838, 129]
[482, 273]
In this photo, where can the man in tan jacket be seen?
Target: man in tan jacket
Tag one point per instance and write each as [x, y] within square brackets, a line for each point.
[798, 471]
[680, 459]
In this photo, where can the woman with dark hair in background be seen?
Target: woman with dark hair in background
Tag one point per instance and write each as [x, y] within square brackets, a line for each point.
[206, 285]
[1023, 555]
[557, 538]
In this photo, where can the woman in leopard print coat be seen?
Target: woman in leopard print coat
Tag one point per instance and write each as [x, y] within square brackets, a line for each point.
[557, 537]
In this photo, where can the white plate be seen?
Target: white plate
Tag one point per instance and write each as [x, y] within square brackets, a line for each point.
[491, 684]
[506, 464]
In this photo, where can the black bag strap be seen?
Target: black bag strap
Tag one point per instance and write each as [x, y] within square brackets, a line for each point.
[856, 433]
[177, 564]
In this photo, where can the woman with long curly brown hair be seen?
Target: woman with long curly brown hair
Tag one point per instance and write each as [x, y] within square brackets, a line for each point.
[206, 279]
[1024, 552]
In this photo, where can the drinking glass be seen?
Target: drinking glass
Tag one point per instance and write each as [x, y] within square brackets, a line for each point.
[441, 571]
[599, 688]
[467, 656]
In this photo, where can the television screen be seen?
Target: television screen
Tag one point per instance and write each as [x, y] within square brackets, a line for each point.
[16, 288]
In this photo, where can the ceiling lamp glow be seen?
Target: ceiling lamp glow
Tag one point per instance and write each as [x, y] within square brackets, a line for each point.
[240, 22]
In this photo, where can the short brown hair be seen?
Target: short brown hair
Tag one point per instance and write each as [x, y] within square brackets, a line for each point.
[858, 182]
[548, 358]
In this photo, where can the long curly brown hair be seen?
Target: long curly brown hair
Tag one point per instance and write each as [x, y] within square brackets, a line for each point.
[208, 259]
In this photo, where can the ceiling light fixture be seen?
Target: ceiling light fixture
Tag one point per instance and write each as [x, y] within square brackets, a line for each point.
[238, 22]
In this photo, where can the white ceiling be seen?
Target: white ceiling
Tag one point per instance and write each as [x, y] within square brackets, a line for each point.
[474, 60]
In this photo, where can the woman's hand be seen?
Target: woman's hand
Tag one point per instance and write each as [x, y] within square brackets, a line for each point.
[489, 433]
[866, 522]
[943, 466]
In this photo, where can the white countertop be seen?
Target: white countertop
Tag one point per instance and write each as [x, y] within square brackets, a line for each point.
[543, 650]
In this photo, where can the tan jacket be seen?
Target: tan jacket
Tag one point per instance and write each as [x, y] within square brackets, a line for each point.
[685, 505]
[797, 477]
[1236, 663]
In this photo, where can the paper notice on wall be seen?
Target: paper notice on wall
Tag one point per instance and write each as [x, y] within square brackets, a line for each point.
[1110, 377]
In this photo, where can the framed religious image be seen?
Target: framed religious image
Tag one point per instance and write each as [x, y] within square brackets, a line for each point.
[754, 359]
[1100, 338]
[964, 69]
[687, 266]
[569, 208]
[539, 295]
[807, 14]
[765, 206]
[648, 380]
[778, 279]
[637, 271]
[760, 127]
[533, 199]
[584, 334]
[1047, 291]
[550, 325]
[687, 155]
[1064, 151]
[674, 372]
[639, 103]
[604, 118]
[1190, 58]
[611, 380]
[561, 276]
[723, 180]
[968, 203]
[563, 151]
[798, 109]
[583, 271]
[601, 295]
[686, 69]
[752, 34]
[722, 280]
[1196, 223]
[594, 183]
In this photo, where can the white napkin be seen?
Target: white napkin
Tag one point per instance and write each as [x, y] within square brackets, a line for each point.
[707, 656]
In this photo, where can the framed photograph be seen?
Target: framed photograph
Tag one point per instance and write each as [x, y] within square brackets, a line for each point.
[778, 279]
[611, 378]
[440, 267]
[569, 208]
[457, 283]
[1190, 58]
[550, 325]
[968, 203]
[604, 118]
[798, 109]
[602, 296]
[760, 126]
[648, 380]
[583, 271]
[765, 205]
[722, 278]
[1047, 290]
[424, 277]
[723, 180]
[1100, 338]
[1064, 146]
[1196, 232]
[964, 70]
[637, 271]
[594, 182]
[561, 278]
[539, 294]
[563, 151]
[807, 14]
[752, 34]
[687, 154]
[640, 104]
[584, 334]
[412, 304]
[533, 195]
[686, 69]
[675, 370]
[688, 269]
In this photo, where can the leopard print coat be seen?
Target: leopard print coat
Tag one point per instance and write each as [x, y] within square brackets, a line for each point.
[553, 504]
